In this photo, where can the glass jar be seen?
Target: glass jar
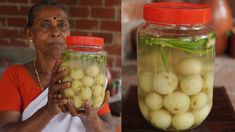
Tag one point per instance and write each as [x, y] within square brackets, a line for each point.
[85, 61]
[175, 63]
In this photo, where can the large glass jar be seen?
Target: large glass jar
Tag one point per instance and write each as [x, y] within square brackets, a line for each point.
[85, 61]
[175, 62]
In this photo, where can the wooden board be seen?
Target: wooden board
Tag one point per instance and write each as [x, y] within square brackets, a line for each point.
[220, 119]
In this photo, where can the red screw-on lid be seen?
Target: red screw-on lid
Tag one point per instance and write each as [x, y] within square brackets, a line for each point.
[178, 13]
[84, 40]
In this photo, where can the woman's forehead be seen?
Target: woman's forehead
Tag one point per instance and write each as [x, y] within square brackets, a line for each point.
[51, 13]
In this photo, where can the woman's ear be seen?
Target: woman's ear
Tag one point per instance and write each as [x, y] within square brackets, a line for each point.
[29, 34]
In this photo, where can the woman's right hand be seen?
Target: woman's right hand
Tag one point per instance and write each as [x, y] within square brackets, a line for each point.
[55, 97]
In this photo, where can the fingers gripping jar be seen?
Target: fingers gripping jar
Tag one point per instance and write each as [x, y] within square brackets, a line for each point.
[175, 62]
[85, 61]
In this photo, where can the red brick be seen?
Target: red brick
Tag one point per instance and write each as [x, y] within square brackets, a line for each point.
[111, 25]
[67, 2]
[114, 49]
[79, 33]
[117, 38]
[6, 33]
[87, 24]
[2, 22]
[17, 22]
[103, 12]
[119, 14]
[111, 61]
[118, 61]
[113, 2]
[8, 10]
[90, 2]
[3, 41]
[34, 1]
[24, 10]
[19, 43]
[79, 11]
[18, 1]
[108, 37]
[116, 73]
[22, 33]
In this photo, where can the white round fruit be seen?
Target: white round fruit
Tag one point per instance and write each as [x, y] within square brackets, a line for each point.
[97, 90]
[208, 80]
[63, 66]
[207, 67]
[144, 109]
[78, 103]
[92, 70]
[97, 101]
[85, 93]
[87, 81]
[198, 101]
[146, 81]
[188, 66]
[160, 119]
[191, 84]
[67, 79]
[100, 79]
[177, 102]
[76, 85]
[149, 60]
[200, 115]
[68, 92]
[76, 73]
[153, 101]
[165, 82]
[183, 121]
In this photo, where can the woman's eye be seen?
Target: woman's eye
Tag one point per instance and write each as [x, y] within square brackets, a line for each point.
[62, 25]
[45, 25]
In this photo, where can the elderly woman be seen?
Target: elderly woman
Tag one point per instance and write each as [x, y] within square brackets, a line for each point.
[30, 98]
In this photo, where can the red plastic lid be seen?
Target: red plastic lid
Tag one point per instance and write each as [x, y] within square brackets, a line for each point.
[178, 13]
[84, 40]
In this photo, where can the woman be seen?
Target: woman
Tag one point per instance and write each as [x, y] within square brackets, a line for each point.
[30, 96]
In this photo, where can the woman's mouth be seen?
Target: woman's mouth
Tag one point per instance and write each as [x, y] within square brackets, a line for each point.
[56, 44]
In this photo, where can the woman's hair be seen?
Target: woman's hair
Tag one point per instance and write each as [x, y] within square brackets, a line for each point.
[38, 6]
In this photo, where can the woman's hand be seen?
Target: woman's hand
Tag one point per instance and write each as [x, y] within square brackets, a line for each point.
[89, 117]
[55, 97]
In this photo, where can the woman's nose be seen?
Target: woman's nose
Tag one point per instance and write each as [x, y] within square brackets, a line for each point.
[55, 33]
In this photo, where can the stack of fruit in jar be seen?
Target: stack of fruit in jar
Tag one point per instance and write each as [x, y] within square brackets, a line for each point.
[87, 77]
[175, 87]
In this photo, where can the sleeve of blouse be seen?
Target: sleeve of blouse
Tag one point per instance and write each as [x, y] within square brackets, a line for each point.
[10, 98]
[104, 110]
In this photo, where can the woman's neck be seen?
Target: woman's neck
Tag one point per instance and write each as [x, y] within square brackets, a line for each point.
[44, 65]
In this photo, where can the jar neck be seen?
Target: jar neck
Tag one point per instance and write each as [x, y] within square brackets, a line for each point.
[177, 27]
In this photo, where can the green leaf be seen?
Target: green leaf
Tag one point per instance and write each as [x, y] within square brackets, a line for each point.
[196, 45]
[165, 55]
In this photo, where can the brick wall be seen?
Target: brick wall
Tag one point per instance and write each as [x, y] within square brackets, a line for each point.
[88, 17]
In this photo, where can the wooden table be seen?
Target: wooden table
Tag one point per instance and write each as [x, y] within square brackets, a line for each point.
[221, 118]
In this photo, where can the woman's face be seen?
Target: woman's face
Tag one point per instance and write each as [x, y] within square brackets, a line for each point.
[49, 31]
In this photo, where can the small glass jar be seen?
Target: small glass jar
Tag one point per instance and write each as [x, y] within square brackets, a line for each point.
[175, 63]
[85, 60]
